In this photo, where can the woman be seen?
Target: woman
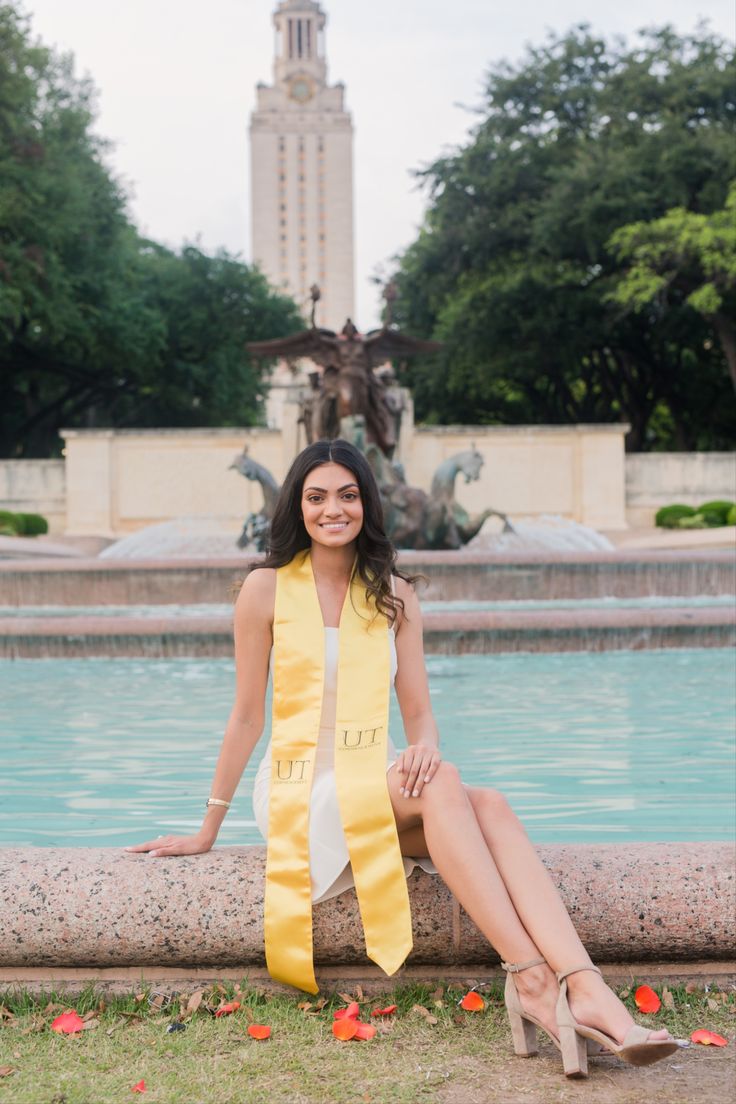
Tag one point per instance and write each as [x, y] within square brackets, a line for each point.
[338, 804]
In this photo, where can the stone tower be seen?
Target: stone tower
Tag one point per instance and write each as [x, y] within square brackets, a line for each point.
[301, 142]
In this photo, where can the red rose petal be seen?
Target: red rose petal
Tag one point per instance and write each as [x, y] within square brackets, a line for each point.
[68, 1023]
[473, 1002]
[708, 1038]
[140, 1087]
[259, 1031]
[350, 1013]
[389, 1011]
[364, 1031]
[647, 1000]
[344, 1029]
[227, 1009]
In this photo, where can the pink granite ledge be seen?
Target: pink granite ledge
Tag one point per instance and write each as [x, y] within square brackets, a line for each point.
[103, 907]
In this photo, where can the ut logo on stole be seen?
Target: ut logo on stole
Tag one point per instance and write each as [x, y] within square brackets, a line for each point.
[291, 770]
[352, 739]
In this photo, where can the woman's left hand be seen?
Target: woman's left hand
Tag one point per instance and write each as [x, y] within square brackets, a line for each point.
[417, 765]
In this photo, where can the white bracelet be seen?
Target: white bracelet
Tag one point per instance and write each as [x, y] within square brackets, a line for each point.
[216, 801]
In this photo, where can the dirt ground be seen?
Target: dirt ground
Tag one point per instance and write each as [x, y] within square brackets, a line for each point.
[696, 1075]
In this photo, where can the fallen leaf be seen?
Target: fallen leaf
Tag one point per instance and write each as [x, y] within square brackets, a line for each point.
[364, 1031]
[350, 1013]
[708, 1038]
[140, 997]
[140, 1087]
[623, 993]
[68, 1023]
[194, 1002]
[667, 999]
[473, 1002]
[422, 1011]
[647, 1000]
[259, 1031]
[320, 1004]
[5, 1071]
[692, 987]
[438, 993]
[388, 1011]
[344, 1029]
[713, 1005]
[347, 997]
[305, 1006]
[359, 993]
[439, 1004]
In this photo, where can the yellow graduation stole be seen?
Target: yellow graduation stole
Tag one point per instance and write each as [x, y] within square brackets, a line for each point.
[361, 735]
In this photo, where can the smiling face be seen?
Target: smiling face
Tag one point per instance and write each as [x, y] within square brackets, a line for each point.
[331, 505]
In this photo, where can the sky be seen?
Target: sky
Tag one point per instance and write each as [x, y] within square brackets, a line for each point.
[176, 85]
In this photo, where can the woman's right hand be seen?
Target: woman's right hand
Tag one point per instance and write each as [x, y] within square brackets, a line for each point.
[174, 845]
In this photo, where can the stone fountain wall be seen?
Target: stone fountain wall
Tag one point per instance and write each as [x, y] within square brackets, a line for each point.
[113, 483]
[93, 910]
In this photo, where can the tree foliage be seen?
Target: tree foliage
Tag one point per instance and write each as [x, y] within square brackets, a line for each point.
[97, 326]
[516, 267]
[686, 257]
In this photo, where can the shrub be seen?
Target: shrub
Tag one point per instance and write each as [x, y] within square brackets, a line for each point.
[697, 521]
[9, 523]
[669, 517]
[718, 509]
[22, 525]
[31, 525]
[731, 517]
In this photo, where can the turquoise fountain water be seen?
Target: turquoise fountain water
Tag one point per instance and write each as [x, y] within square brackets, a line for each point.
[588, 747]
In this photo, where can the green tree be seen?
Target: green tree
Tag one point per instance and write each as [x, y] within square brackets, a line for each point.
[98, 327]
[683, 257]
[512, 268]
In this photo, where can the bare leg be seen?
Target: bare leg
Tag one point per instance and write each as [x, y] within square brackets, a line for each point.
[486, 859]
[543, 914]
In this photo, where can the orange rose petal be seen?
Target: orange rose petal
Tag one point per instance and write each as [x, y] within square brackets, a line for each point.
[350, 1013]
[227, 1009]
[140, 1087]
[364, 1031]
[68, 1023]
[473, 1002]
[344, 1029]
[708, 1038]
[389, 1011]
[259, 1031]
[647, 1000]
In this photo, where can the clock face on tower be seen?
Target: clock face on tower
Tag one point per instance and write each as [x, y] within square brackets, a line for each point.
[301, 89]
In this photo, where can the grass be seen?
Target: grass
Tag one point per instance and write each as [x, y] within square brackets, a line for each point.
[214, 1061]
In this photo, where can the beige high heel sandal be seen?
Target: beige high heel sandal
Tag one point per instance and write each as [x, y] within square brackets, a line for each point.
[575, 1038]
[523, 1024]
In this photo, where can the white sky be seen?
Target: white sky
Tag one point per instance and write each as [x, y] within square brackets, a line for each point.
[176, 83]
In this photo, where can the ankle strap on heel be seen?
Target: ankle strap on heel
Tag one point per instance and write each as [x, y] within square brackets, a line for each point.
[516, 967]
[576, 970]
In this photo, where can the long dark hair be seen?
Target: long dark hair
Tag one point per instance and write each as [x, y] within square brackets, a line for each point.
[375, 555]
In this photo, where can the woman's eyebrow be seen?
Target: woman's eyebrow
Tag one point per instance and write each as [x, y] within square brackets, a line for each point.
[339, 489]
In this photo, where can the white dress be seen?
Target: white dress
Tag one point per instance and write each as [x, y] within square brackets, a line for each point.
[329, 862]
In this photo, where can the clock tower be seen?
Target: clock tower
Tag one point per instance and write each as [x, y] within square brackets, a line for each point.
[301, 146]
